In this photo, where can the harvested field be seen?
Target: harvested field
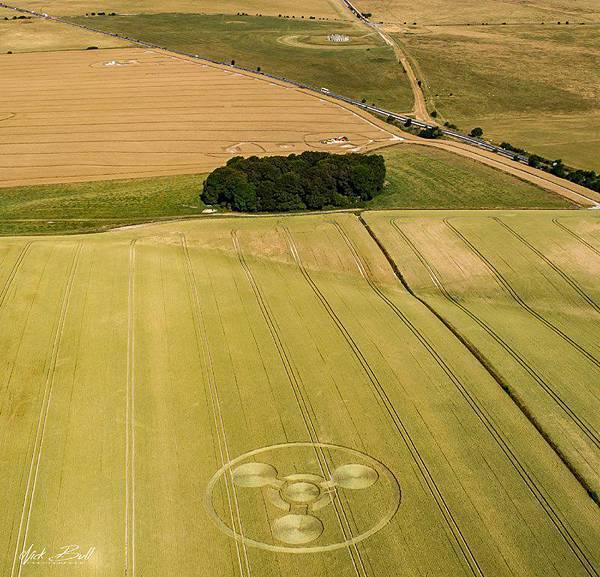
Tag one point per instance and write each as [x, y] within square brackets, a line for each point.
[95, 115]
[37, 35]
[154, 379]
[307, 8]
[417, 177]
[478, 11]
[366, 70]
[522, 289]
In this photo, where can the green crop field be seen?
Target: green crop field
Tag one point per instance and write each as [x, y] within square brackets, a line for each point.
[417, 177]
[262, 396]
[533, 86]
[420, 177]
[292, 48]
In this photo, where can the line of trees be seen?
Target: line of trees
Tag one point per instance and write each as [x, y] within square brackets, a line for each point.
[588, 178]
[311, 180]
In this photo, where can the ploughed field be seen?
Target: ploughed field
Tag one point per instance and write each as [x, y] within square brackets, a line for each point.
[96, 115]
[264, 397]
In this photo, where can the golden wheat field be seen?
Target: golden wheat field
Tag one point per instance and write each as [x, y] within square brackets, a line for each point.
[39, 35]
[92, 115]
[262, 397]
[306, 8]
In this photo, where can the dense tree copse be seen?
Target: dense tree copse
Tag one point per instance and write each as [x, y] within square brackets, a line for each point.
[311, 180]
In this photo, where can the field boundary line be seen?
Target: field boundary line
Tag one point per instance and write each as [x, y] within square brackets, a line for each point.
[130, 420]
[303, 403]
[586, 428]
[34, 466]
[486, 419]
[584, 242]
[203, 347]
[505, 284]
[467, 554]
[570, 281]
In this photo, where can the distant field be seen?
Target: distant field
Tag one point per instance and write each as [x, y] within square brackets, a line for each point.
[38, 35]
[98, 205]
[97, 115]
[417, 177]
[319, 8]
[477, 11]
[537, 87]
[7, 13]
[430, 178]
[260, 396]
[522, 289]
[295, 49]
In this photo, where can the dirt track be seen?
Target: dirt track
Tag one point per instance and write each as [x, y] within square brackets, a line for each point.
[95, 115]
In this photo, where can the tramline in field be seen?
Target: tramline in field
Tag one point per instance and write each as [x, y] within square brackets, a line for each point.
[268, 399]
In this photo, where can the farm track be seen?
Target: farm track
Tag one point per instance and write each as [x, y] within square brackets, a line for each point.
[38, 446]
[588, 430]
[571, 282]
[487, 421]
[459, 538]
[505, 284]
[203, 347]
[576, 236]
[306, 409]
[13, 272]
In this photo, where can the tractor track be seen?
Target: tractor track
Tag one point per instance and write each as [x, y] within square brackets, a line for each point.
[504, 284]
[36, 456]
[575, 236]
[483, 416]
[306, 409]
[203, 347]
[588, 430]
[460, 540]
[13, 272]
[571, 282]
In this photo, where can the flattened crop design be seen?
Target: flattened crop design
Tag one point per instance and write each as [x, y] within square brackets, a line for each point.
[313, 497]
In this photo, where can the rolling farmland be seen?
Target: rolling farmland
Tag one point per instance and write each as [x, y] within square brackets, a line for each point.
[291, 48]
[317, 8]
[533, 85]
[38, 35]
[124, 113]
[477, 11]
[267, 399]
[521, 289]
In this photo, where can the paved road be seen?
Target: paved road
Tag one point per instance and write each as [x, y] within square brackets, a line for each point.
[577, 193]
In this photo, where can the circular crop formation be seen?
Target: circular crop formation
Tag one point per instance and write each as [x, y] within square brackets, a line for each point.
[297, 497]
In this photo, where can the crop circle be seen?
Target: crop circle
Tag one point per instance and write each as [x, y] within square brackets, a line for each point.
[325, 484]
